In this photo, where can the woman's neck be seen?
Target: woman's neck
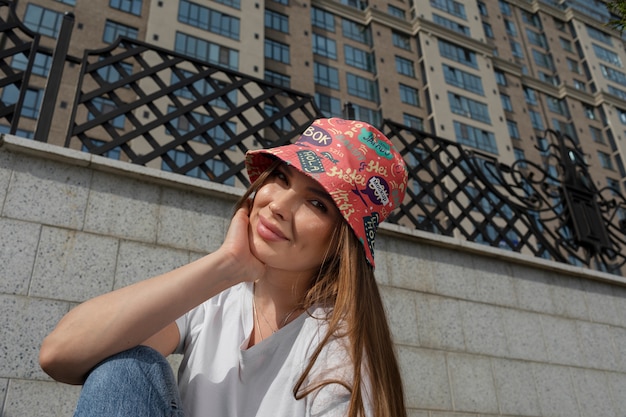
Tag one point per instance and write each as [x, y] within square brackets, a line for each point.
[280, 295]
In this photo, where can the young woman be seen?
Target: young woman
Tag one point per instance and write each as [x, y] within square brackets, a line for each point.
[284, 319]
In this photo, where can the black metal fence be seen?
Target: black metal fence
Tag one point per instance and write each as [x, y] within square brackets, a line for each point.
[155, 107]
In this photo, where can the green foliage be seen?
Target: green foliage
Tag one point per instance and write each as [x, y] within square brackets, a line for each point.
[618, 8]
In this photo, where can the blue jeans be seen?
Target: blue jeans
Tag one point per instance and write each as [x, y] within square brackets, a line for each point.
[138, 382]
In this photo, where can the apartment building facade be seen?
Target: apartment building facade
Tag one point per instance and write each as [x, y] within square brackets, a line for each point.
[491, 75]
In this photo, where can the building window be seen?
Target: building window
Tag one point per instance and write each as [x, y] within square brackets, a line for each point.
[458, 53]
[362, 87]
[356, 32]
[462, 79]
[573, 66]
[44, 21]
[413, 122]
[326, 75]
[566, 128]
[543, 60]
[112, 73]
[357, 4]
[520, 156]
[41, 64]
[276, 51]
[409, 95]
[516, 49]
[359, 58]
[537, 39]
[613, 75]
[566, 45]
[513, 130]
[617, 92]
[530, 96]
[607, 55]
[104, 106]
[500, 78]
[535, 119]
[69, 2]
[596, 135]
[283, 123]
[599, 35]
[236, 4]
[505, 8]
[401, 40]
[531, 19]
[330, 106]
[605, 160]
[507, 105]
[128, 6]
[366, 114]
[26, 134]
[451, 24]
[208, 19]
[182, 158]
[488, 30]
[183, 125]
[511, 30]
[548, 78]
[202, 88]
[452, 7]
[469, 108]
[112, 30]
[405, 67]
[396, 12]
[474, 137]
[580, 85]
[614, 185]
[113, 153]
[276, 21]
[32, 100]
[589, 112]
[557, 105]
[482, 8]
[206, 51]
[324, 46]
[322, 19]
[277, 78]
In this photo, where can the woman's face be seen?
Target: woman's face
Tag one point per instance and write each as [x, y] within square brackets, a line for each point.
[291, 222]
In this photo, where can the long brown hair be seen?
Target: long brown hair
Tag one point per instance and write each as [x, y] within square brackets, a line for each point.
[346, 283]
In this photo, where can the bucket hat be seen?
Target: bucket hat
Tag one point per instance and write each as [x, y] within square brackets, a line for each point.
[354, 162]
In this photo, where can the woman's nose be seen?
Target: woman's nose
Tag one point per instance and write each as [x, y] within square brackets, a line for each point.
[283, 204]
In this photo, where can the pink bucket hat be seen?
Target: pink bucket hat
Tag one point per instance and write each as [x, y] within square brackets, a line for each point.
[354, 162]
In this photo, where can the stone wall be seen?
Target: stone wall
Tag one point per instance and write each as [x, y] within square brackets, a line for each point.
[479, 331]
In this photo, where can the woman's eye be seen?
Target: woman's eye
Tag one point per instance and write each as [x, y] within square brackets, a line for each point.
[280, 175]
[319, 205]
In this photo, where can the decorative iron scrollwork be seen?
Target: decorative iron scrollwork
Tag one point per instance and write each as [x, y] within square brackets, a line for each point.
[553, 210]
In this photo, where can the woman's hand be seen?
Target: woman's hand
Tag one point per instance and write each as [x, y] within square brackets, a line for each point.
[236, 247]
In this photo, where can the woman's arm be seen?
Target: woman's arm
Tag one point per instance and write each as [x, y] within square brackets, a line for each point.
[144, 313]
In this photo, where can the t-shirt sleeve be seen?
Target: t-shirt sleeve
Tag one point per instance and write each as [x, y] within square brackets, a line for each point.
[186, 323]
[181, 323]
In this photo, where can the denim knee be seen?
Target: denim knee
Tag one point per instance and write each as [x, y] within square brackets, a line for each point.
[137, 382]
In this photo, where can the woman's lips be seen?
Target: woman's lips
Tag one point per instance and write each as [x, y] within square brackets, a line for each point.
[267, 231]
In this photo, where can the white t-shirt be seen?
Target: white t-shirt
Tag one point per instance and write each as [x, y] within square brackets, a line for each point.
[221, 377]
